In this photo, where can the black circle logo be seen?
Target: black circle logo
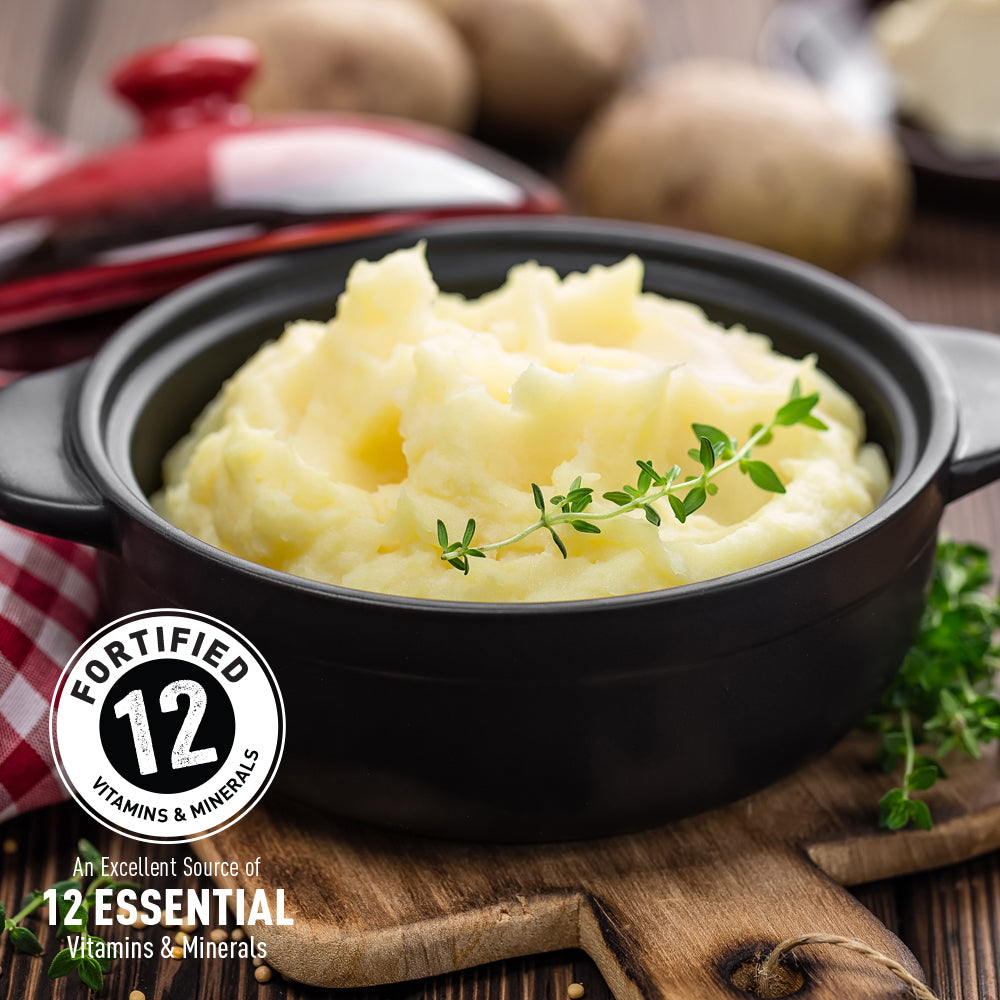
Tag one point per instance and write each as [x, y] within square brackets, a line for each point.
[167, 726]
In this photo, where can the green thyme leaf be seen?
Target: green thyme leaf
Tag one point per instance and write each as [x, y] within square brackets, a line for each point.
[920, 814]
[706, 454]
[796, 410]
[62, 964]
[654, 476]
[922, 778]
[586, 527]
[536, 491]
[894, 813]
[559, 543]
[763, 475]
[617, 497]
[722, 444]
[694, 500]
[23, 940]
[90, 972]
[677, 506]
[470, 530]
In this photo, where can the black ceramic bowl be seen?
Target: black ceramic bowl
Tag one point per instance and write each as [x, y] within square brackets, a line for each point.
[526, 721]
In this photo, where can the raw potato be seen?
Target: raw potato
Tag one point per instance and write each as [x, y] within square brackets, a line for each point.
[546, 65]
[731, 149]
[387, 57]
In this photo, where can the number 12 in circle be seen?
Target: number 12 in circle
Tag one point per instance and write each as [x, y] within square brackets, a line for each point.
[134, 706]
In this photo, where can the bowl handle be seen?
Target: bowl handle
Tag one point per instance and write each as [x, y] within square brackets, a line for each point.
[972, 359]
[42, 486]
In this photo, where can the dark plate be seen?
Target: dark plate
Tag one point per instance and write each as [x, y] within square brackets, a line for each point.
[830, 43]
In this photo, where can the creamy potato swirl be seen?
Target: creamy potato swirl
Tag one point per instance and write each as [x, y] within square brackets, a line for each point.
[334, 450]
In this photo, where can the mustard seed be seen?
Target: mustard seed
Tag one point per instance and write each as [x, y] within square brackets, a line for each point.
[257, 961]
[137, 995]
[177, 952]
[575, 991]
[219, 934]
[189, 928]
[10, 846]
[238, 934]
[262, 974]
[180, 938]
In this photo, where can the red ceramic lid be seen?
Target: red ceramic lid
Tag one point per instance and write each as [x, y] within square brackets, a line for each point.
[205, 184]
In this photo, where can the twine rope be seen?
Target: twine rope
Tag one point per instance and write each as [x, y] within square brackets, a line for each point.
[771, 964]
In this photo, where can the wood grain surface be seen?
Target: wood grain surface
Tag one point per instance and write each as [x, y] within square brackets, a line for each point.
[667, 913]
[53, 56]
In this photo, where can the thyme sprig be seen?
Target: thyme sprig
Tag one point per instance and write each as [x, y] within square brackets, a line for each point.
[87, 960]
[716, 452]
[942, 699]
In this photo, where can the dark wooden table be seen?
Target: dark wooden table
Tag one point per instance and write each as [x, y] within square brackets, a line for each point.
[53, 57]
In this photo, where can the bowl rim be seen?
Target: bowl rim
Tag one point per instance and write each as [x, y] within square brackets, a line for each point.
[98, 389]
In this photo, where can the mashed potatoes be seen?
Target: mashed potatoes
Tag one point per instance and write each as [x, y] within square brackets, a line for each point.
[333, 452]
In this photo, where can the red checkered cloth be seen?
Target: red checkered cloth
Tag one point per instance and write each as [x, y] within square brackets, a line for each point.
[48, 603]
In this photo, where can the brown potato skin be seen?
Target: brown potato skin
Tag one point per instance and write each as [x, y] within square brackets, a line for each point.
[546, 65]
[386, 57]
[738, 151]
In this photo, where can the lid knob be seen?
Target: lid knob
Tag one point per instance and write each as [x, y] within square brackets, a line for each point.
[188, 82]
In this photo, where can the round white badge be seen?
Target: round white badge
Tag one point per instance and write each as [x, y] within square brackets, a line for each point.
[167, 726]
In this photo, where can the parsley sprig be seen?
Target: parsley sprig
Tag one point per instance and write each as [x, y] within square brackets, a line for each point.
[942, 698]
[716, 451]
[85, 958]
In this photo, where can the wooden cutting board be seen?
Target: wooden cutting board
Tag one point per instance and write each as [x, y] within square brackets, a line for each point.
[667, 913]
